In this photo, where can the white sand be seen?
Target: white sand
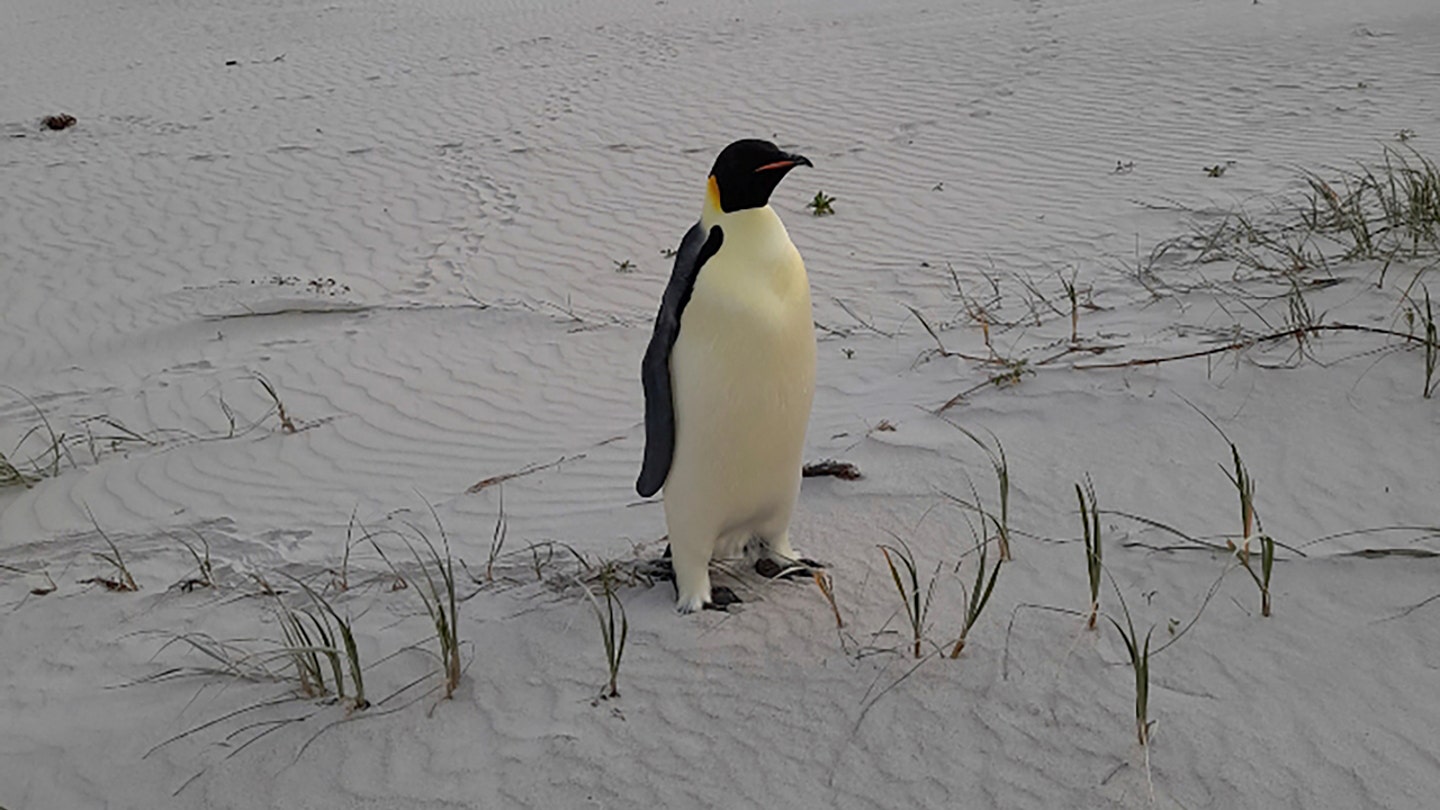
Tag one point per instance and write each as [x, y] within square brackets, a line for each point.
[431, 156]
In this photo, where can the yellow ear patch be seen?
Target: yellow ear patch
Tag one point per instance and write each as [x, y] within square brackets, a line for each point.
[712, 194]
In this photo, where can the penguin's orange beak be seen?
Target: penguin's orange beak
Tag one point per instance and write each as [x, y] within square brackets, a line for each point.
[788, 162]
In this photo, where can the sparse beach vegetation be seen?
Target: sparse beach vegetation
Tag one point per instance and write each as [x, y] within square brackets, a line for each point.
[204, 576]
[973, 603]
[121, 579]
[821, 205]
[1000, 466]
[914, 599]
[613, 634]
[236, 308]
[286, 423]
[437, 591]
[1138, 650]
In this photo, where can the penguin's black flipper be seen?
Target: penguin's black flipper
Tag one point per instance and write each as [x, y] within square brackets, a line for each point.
[695, 249]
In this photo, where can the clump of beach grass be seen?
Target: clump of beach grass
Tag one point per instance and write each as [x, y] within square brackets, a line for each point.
[1138, 651]
[821, 205]
[287, 424]
[1250, 528]
[304, 650]
[42, 464]
[122, 579]
[435, 583]
[204, 569]
[10, 475]
[1000, 466]
[438, 594]
[613, 635]
[915, 600]
[973, 603]
[1245, 486]
[327, 635]
[1072, 294]
[1385, 210]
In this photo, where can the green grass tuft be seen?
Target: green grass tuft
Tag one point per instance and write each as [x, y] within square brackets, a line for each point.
[917, 604]
[613, 636]
[1139, 653]
[1094, 548]
[344, 629]
[973, 604]
[821, 205]
[1000, 465]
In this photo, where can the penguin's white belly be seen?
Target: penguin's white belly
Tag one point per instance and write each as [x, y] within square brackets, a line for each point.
[743, 377]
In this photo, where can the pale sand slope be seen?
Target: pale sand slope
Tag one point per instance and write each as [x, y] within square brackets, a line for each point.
[471, 174]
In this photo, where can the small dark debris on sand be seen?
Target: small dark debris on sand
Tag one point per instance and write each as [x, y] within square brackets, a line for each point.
[61, 121]
[836, 469]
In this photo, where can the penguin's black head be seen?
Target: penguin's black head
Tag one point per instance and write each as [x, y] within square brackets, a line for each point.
[748, 171]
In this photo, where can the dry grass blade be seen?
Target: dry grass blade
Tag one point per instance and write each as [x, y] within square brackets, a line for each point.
[46, 462]
[1267, 562]
[1432, 347]
[10, 475]
[122, 580]
[486, 483]
[228, 659]
[35, 590]
[286, 423]
[827, 589]
[497, 539]
[1240, 344]
[204, 569]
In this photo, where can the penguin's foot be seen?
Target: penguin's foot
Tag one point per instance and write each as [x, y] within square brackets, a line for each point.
[721, 598]
[771, 568]
[660, 570]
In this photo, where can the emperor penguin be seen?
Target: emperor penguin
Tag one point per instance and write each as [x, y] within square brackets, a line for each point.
[729, 376]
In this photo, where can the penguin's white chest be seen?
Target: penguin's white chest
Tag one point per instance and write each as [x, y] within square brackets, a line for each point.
[743, 377]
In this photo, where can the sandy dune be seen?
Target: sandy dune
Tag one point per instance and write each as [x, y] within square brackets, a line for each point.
[438, 230]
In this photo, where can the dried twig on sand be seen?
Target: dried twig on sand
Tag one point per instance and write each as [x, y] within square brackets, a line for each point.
[527, 470]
